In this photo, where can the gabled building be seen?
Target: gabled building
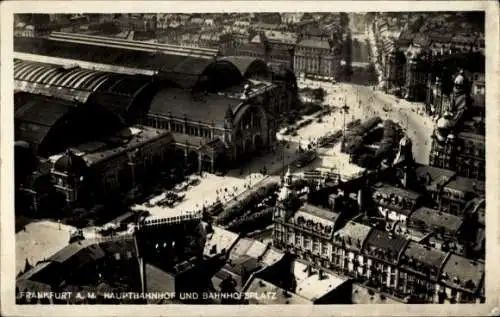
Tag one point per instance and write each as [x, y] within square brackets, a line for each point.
[382, 251]
[394, 203]
[462, 281]
[419, 273]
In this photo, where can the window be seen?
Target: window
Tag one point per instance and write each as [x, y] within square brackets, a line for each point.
[298, 240]
[324, 248]
[307, 243]
[315, 246]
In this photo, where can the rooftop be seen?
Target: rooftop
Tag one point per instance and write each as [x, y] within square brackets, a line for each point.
[436, 219]
[158, 280]
[463, 272]
[429, 256]
[401, 192]
[124, 141]
[382, 239]
[179, 103]
[32, 123]
[319, 212]
[315, 43]
[438, 176]
[311, 287]
[272, 256]
[220, 239]
[356, 232]
[466, 185]
[280, 36]
[281, 297]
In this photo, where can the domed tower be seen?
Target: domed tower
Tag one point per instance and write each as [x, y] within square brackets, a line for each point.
[69, 172]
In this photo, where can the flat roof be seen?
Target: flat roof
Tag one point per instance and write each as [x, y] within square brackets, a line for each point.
[311, 287]
[124, 141]
[205, 108]
[261, 286]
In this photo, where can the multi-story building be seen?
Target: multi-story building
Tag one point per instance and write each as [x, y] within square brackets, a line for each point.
[419, 272]
[103, 164]
[442, 230]
[459, 139]
[307, 230]
[273, 46]
[347, 245]
[416, 74]
[394, 203]
[457, 192]
[193, 81]
[461, 281]
[395, 69]
[383, 250]
[317, 57]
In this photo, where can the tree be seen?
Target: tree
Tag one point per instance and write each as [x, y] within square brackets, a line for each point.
[319, 94]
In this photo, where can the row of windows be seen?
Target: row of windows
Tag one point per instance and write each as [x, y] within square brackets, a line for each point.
[180, 128]
[387, 275]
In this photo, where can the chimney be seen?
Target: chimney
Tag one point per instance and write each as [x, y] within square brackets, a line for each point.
[309, 270]
[321, 274]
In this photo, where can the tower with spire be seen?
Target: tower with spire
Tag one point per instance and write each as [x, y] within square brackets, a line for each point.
[285, 197]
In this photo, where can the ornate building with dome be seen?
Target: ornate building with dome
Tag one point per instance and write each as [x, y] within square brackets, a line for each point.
[82, 153]
[458, 140]
[220, 110]
[306, 230]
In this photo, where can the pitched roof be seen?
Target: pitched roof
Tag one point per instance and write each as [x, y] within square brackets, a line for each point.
[36, 115]
[469, 273]
[429, 256]
[319, 212]
[356, 232]
[436, 219]
[220, 239]
[158, 280]
[381, 239]
[404, 193]
[438, 176]
[244, 63]
[462, 184]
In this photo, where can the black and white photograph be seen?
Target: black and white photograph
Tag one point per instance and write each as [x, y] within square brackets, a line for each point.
[267, 157]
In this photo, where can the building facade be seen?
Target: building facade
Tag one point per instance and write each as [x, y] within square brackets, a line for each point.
[317, 57]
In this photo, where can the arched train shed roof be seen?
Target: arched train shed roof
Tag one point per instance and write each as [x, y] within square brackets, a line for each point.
[248, 66]
[117, 92]
[51, 124]
[184, 68]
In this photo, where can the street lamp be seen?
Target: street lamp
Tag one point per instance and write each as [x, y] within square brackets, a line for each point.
[345, 109]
